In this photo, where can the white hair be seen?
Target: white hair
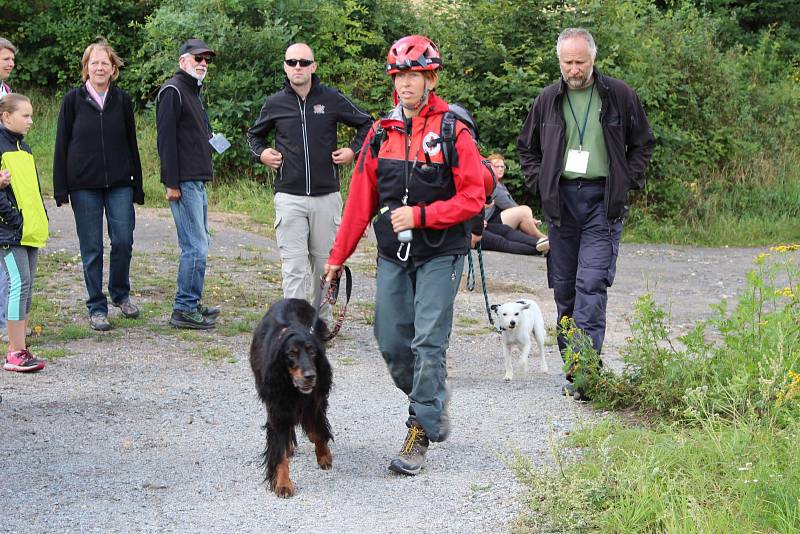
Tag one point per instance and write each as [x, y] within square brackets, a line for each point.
[5, 43]
[584, 34]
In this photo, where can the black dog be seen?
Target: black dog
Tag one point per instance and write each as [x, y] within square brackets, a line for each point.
[293, 379]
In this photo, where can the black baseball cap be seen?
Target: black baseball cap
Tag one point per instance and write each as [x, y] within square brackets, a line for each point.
[196, 46]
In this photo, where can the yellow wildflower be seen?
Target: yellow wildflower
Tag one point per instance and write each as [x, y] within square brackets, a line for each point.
[785, 248]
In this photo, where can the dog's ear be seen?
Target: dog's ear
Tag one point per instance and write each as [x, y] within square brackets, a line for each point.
[494, 307]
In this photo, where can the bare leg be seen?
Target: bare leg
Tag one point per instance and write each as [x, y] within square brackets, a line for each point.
[521, 218]
[16, 335]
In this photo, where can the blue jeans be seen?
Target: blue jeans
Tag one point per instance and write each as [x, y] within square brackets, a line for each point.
[582, 261]
[88, 206]
[191, 222]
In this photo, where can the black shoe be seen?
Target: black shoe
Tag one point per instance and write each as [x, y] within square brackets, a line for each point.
[569, 390]
[412, 455]
[208, 311]
[191, 320]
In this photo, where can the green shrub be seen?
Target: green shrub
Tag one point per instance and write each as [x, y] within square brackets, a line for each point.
[250, 38]
[742, 364]
[52, 35]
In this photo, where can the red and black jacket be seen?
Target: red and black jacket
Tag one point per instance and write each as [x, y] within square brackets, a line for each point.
[410, 162]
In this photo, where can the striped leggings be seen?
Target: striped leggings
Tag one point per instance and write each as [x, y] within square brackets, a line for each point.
[19, 262]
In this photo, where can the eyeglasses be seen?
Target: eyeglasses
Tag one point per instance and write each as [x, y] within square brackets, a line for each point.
[303, 62]
[200, 59]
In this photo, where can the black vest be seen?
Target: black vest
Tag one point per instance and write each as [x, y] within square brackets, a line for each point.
[193, 129]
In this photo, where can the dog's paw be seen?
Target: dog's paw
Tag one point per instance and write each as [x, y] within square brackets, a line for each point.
[545, 368]
[284, 489]
[325, 461]
[507, 378]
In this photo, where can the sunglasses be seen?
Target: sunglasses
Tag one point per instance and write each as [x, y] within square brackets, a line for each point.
[200, 59]
[302, 62]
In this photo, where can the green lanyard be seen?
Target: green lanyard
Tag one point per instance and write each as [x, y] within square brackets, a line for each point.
[581, 132]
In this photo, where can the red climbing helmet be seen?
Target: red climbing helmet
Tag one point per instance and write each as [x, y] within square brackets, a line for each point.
[412, 52]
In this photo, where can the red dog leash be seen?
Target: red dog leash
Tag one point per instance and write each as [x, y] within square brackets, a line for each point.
[331, 296]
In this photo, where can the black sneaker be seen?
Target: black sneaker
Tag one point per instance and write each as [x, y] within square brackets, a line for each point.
[191, 320]
[412, 455]
[208, 311]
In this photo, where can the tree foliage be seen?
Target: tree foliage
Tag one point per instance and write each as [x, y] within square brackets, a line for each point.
[714, 96]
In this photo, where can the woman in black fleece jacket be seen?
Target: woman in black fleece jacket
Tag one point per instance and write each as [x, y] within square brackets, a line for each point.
[96, 169]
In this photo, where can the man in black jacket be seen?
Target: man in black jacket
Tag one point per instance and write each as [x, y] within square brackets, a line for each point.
[585, 144]
[308, 205]
[183, 147]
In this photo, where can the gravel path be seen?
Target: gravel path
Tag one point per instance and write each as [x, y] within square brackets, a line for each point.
[142, 433]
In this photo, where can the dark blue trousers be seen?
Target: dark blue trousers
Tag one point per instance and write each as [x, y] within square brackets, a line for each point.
[583, 258]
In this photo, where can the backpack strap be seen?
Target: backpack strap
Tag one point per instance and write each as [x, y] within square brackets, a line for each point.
[377, 140]
[448, 137]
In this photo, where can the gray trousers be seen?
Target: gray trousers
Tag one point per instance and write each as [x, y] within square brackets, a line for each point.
[583, 258]
[305, 228]
[413, 320]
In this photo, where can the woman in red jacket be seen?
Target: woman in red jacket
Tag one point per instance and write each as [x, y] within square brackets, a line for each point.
[421, 204]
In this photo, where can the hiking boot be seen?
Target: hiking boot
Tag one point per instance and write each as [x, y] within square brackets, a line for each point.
[23, 362]
[190, 320]
[128, 309]
[412, 455]
[99, 321]
[208, 311]
[543, 245]
[569, 390]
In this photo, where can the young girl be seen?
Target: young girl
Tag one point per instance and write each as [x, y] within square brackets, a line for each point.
[21, 237]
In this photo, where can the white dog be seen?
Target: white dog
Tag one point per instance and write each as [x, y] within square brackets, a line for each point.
[519, 322]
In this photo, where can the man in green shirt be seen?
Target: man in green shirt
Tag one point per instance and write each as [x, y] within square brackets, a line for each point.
[585, 144]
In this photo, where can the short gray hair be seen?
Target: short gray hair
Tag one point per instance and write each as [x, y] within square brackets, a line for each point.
[584, 34]
[5, 43]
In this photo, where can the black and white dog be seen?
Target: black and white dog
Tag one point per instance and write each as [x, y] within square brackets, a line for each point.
[293, 379]
[520, 322]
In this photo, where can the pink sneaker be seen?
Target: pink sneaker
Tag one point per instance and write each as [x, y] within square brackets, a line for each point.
[23, 362]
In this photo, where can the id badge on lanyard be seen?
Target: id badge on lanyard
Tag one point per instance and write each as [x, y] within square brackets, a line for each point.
[577, 161]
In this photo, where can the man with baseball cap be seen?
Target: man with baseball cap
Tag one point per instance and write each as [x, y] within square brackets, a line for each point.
[184, 131]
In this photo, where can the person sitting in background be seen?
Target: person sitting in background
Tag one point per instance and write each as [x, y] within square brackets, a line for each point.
[503, 209]
[500, 237]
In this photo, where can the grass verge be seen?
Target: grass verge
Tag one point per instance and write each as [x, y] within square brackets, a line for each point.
[722, 403]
